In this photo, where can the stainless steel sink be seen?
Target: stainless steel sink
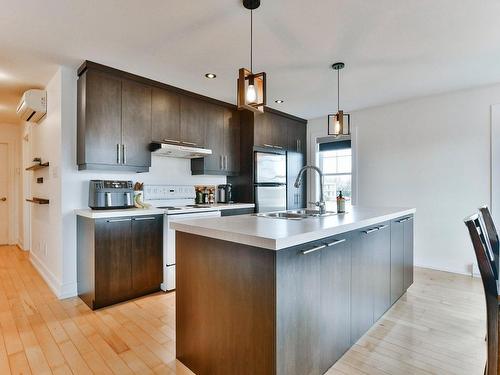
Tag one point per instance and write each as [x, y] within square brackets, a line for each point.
[295, 214]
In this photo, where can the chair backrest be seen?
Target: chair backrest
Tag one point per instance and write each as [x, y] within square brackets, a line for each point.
[490, 291]
[490, 236]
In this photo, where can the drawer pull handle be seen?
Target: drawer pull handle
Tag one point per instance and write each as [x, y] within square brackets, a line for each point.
[405, 219]
[335, 242]
[266, 145]
[171, 140]
[118, 220]
[370, 230]
[383, 226]
[305, 252]
[144, 218]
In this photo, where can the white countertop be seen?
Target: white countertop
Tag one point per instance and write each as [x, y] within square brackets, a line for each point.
[276, 234]
[102, 214]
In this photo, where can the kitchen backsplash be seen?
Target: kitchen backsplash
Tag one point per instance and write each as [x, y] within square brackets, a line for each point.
[163, 171]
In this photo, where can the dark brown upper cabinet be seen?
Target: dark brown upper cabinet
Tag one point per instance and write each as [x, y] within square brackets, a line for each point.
[136, 124]
[271, 131]
[113, 121]
[223, 138]
[165, 112]
[193, 121]
[296, 136]
[99, 119]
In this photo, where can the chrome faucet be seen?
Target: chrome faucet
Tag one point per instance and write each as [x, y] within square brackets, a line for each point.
[321, 203]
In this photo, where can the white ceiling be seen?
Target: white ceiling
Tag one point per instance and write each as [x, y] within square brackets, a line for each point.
[393, 49]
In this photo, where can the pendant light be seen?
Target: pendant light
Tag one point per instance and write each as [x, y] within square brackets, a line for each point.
[251, 87]
[339, 123]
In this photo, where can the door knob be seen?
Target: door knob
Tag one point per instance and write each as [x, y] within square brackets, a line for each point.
[3, 199]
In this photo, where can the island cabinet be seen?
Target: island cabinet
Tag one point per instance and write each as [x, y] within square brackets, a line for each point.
[290, 311]
[119, 258]
[401, 256]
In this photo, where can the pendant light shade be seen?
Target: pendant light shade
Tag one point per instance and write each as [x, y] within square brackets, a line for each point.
[251, 87]
[339, 124]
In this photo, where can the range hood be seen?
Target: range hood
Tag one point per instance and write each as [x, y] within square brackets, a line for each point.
[178, 150]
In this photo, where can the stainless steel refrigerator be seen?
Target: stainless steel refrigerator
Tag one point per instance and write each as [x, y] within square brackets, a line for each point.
[270, 181]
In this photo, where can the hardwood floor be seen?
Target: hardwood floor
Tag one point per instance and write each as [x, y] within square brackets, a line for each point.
[438, 327]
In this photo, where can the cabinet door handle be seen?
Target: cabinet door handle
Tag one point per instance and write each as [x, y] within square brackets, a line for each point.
[171, 140]
[189, 143]
[404, 220]
[383, 227]
[124, 154]
[118, 154]
[118, 220]
[221, 162]
[225, 162]
[305, 252]
[370, 230]
[144, 218]
[336, 242]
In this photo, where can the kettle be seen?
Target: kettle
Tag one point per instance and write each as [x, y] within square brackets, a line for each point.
[224, 193]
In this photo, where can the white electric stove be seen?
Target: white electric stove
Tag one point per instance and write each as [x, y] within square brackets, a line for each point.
[178, 201]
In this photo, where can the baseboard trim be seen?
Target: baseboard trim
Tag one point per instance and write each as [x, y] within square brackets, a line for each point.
[60, 290]
[447, 269]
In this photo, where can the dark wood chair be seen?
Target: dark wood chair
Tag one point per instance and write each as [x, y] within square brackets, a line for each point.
[490, 234]
[486, 264]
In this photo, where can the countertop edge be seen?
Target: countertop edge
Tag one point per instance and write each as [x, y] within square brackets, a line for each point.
[278, 244]
[104, 214]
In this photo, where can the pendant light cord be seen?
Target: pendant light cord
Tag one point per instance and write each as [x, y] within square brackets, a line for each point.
[338, 90]
[251, 40]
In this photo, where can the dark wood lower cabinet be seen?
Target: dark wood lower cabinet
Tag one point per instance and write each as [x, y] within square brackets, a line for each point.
[246, 310]
[147, 253]
[113, 261]
[335, 295]
[381, 248]
[397, 259]
[118, 258]
[298, 324]
[361, 284]
[408, 252]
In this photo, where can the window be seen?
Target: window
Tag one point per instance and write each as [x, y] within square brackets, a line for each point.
[335, 160]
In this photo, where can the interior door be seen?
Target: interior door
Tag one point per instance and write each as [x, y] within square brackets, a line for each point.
[4, 189]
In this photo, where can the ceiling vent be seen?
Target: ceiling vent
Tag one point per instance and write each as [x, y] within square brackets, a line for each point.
[33, 105]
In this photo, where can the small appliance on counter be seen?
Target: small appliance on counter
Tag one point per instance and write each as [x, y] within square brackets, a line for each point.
[107, 194]
[224, 193]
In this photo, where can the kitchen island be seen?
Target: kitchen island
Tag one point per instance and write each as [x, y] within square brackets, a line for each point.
[258, 295]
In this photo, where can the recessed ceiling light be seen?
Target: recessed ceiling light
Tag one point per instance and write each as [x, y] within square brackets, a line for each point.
[210, 75]
[279, 101]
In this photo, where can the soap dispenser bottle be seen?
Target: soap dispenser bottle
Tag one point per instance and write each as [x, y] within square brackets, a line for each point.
[340, 203]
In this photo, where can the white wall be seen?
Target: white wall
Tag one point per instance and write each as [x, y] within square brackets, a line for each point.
[54, 139]
[431, 153]
[44, 141]
[10, 134]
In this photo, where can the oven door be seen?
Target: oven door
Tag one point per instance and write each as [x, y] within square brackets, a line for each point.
[169, 244]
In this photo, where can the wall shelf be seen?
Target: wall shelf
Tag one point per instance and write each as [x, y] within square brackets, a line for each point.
[38, 200]
[38, 166]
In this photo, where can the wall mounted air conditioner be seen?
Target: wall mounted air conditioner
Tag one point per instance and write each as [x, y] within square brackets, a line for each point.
[33, 105]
